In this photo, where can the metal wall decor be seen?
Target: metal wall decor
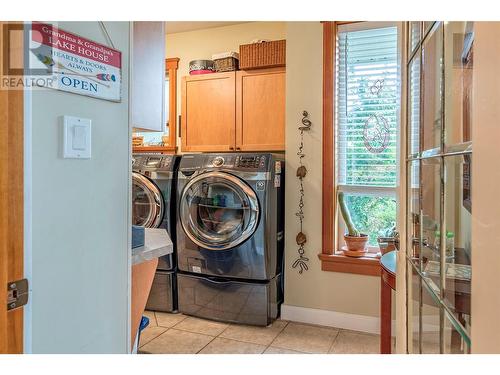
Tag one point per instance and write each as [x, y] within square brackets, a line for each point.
[301, 238]
[376, 132]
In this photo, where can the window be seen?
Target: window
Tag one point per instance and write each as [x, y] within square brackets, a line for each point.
[366, 125]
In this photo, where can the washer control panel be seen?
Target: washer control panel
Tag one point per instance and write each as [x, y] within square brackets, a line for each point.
[155, 162]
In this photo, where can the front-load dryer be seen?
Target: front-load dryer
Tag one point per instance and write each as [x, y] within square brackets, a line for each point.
[154, 206]
[230, 236]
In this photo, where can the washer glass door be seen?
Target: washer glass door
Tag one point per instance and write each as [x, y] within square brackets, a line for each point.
[147, 202]
[218, 211]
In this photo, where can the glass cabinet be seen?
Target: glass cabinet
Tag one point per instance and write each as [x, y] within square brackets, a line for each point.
[439, 154]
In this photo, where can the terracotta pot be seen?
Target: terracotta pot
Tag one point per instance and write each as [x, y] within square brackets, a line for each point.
[356, 243]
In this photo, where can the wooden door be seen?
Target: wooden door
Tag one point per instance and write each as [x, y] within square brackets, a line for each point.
[208, 112]
[11, 196]
[260, 110]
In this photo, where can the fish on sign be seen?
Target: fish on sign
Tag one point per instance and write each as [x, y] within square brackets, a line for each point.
[77, 65]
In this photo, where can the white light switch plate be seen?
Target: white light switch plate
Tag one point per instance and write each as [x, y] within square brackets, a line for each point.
[77, 137]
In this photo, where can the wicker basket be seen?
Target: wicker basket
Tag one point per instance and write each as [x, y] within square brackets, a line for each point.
[263, 55]
[137, 140]
[227, 64]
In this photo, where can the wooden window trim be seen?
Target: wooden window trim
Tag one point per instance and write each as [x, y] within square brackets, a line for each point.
[331, 259]
[171, 66]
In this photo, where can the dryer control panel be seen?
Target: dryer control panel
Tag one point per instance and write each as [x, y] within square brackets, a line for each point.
[250, 161]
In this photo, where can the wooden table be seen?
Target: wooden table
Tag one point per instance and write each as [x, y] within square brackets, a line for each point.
[388, 284]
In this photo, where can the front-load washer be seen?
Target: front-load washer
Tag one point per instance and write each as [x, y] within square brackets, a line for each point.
[154, 206]
[230, 236]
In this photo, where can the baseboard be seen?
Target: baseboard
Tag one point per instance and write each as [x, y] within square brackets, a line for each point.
[362, 323]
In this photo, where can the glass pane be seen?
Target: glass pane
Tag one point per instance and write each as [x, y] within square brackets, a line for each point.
[412, 309]
[454, 342]
[458, 78]
[432, 86]
[415, 34]
[427, 26]
[372, 215]
[414, 211]
[431, 218]
[215, 213]
[144, 207]
[217, 209]
[425, 327]
[423, 319]
[414, 105]
[458, 237]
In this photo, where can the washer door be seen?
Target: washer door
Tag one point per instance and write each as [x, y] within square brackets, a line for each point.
[147, 202]
[218, 211]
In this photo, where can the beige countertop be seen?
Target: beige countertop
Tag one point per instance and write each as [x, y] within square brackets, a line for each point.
[157, 243]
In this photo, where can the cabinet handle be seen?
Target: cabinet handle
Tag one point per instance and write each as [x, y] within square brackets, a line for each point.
[238, 148]
[231, 148]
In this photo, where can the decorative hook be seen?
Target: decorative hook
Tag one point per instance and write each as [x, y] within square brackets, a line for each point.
[301, 239]
[305, 121]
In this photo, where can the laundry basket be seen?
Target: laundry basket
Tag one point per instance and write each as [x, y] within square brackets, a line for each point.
[144, 323]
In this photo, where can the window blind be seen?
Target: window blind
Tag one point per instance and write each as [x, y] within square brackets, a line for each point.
[367, 107]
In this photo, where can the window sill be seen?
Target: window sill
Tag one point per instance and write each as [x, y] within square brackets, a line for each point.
[338, 262]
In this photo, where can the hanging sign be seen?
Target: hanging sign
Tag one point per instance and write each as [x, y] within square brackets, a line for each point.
[76, 64]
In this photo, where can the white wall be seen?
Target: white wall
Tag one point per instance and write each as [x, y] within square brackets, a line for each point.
[340, 292]
[80, 218]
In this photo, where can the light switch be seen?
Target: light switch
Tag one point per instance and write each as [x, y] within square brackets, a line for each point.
[77, 137]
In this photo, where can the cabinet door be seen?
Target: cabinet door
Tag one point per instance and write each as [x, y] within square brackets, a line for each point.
[148, 76]
[208, 112]
[260, 110]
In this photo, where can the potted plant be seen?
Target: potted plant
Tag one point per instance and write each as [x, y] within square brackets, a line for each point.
[388, 239]
[354, 240]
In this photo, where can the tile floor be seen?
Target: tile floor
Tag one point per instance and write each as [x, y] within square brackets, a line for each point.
[177, 333]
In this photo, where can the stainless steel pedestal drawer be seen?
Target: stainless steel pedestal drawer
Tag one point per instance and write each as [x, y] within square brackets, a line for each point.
[229, 300]
[163, 294]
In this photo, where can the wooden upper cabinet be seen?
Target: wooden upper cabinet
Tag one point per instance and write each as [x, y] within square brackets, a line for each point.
[234, 111]
[260, 110]
[208, 112]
